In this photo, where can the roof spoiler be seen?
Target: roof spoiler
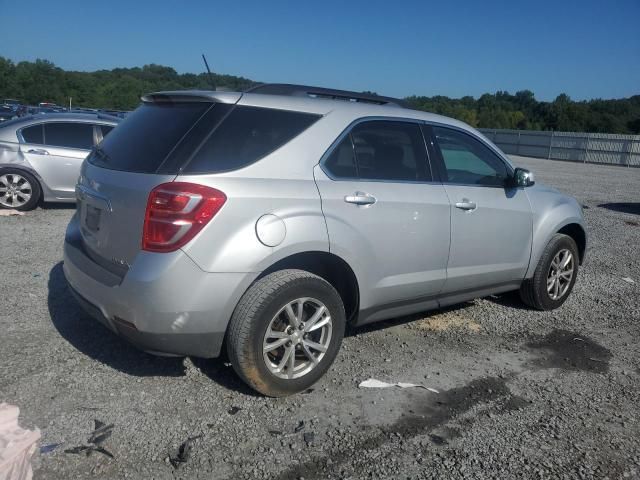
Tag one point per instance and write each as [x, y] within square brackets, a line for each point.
[320, 92]
[181, 96]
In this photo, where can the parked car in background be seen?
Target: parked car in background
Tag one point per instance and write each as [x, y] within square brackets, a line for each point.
[116, 113]
[263, 222]
[41, 155]
[6, 113]
[11, 102]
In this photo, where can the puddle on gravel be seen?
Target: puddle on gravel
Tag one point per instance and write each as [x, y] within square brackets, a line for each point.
[570, 351]
[437, 410]
[425, 413]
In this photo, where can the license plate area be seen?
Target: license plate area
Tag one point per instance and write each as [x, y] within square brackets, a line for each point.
[92, 218]
[93, 210]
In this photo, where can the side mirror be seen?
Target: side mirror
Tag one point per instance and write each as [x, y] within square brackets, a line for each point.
[522, 178]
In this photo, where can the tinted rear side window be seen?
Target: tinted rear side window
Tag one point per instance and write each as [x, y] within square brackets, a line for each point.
[145, 137]
[391, 151]
[246, 135]
[342, 161]
[69, 135]
[33, 134]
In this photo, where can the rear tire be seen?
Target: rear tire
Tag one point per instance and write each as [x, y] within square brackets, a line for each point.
[19, 190]
[286, 332]
[552, 282]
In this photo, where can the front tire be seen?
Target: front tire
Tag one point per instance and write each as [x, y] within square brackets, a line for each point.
[286, 332]
[19, 190]
[555, 275]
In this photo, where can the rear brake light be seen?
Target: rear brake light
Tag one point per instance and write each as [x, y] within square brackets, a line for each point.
[176, 212]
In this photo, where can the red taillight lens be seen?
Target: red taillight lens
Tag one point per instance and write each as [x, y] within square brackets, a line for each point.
[176, 212]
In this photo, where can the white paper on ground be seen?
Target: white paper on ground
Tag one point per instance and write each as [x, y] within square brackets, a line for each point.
[628, 280]
[16, 445]
[373, 383]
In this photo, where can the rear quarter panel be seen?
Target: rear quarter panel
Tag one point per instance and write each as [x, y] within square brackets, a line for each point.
[12, 157]
[280, 184]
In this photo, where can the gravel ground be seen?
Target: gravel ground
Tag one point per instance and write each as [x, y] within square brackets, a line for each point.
[522, 393]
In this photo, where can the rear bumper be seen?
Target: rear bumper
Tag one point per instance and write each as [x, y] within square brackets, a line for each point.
[164, 304]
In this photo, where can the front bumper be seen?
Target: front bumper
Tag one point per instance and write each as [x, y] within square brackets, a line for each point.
[164, 304]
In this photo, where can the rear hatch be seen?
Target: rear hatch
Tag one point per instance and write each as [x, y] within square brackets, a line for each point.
[144, 151]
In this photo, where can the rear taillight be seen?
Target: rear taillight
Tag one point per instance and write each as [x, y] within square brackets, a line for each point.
[176, 212]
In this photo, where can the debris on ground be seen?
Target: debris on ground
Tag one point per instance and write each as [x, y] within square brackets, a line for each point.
[88, 450]
[300, 426]
[373, 383]
[438, 440]
[275, 433]
[16, 445]
[309, 437]
[100, 433]
[233, 410]
[184, 452]
[628, 280]
[49, 448]
[9, 213]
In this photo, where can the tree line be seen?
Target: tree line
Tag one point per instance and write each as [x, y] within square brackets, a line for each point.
[121, 88]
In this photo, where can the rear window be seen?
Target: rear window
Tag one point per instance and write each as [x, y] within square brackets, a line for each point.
[33, 134]
[145, 137]
[245, 136]
[69, 135]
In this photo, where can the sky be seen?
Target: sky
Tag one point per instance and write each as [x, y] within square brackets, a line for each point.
[587, 49]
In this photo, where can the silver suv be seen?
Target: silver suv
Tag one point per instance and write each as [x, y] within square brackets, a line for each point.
[263, 222]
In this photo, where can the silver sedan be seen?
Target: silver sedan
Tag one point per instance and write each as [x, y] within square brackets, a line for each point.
[41, 155]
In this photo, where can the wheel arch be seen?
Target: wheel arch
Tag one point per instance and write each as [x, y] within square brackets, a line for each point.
[578, 234]
[44, 189]
[328, 266]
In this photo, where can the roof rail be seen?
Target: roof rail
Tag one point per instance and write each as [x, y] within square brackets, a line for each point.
[320, 92]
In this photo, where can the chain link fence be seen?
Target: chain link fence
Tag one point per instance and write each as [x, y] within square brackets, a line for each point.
[610, 149]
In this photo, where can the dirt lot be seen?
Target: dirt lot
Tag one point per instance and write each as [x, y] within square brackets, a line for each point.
[521, 393]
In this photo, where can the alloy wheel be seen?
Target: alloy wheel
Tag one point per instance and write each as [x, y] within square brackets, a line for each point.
[560, 274]
[297, 338]
[15, 190]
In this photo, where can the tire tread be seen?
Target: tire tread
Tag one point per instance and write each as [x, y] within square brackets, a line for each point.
[533, 289]
[257, 297]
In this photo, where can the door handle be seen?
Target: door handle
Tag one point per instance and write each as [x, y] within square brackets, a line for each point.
[467, 205]
[360, 198]
[38, 151]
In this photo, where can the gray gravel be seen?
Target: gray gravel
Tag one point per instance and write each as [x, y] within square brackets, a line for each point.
[522, 393]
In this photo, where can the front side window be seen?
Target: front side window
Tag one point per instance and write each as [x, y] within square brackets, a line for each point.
[69, 135]
[467, 160]
[391, 151]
